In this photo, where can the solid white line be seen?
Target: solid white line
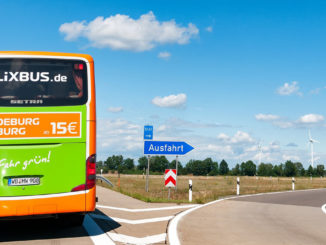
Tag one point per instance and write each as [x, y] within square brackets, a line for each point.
[43, 196]
[133, 222]
[147, 209]
[135, 240]
[96, 234]
[323, 208]
[173, 226]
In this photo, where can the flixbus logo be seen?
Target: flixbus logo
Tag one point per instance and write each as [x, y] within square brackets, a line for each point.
[40, 125]
[24, 76]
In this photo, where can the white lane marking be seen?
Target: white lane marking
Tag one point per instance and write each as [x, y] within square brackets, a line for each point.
[173, 225]
[323, 208]
[133, 222]
[98, 236]
[147, 209]
[137, 241]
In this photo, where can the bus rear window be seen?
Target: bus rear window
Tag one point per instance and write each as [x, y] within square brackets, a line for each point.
[42, 82]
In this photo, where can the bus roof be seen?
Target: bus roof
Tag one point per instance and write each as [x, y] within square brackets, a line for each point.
[42, 53]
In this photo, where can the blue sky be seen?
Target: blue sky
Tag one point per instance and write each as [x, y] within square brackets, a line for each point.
[225, 76]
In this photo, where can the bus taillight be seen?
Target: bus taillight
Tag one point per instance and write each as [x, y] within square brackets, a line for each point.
[90, 175]
[90, 172]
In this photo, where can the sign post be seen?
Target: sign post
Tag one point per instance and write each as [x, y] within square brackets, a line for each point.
[148, 135]
[147, 173]
[176, 167]
[177, 148]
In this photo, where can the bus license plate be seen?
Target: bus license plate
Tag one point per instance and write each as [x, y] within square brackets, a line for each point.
[24, 181]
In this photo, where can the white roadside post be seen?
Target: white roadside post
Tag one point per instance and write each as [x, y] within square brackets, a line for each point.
[238, 186]
[293, 184]
[190, 190]
[101, 172]
[176, 167]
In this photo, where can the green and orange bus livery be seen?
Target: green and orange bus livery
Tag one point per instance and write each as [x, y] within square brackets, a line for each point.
[47, 135]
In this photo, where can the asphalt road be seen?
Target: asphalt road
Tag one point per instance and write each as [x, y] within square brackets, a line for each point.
[283, 218]
[118, 219]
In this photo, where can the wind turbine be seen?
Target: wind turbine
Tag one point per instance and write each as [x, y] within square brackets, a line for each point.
[311, 142]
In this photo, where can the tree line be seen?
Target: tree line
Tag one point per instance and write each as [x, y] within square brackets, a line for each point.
[158, 164]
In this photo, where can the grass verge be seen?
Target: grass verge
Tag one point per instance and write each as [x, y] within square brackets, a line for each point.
[205, 189]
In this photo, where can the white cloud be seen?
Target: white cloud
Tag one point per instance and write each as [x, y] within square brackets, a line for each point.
[121, 32]
[119, 135]
[239, 137]
[289, 88]
[209, 29]
[164, 55]
[172, 100]
[266, 117]
[315, 91]
[115, 109]
[304, 121]
[286, 157]
[223, 137]
[311, 118]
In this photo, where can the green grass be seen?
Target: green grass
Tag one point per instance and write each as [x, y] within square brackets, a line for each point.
[205, 189]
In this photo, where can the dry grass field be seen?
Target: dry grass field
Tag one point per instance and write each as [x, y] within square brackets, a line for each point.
[205, 189]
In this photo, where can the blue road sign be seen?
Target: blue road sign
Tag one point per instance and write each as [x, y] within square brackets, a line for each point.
[166, 148]
[148, 132]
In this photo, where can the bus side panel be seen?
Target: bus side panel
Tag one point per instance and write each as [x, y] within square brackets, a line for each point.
[48, 205]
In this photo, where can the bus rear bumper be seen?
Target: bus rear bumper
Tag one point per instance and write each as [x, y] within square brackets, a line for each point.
[71, 202]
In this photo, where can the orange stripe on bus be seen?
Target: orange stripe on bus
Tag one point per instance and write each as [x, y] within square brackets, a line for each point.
[51, 205]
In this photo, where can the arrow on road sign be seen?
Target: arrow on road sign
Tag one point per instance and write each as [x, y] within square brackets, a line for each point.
[166, 148]
[170, 177]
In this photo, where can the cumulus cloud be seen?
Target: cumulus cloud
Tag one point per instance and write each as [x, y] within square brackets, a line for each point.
[164, 55]
[315, 91]
[311, 118]
[119, 135]
[303, 121]
[115, 109]
[121, 32]
[171, 101]
[289, 88]
[238, 137]
[209, 29]
[287, 157]
[266, 117]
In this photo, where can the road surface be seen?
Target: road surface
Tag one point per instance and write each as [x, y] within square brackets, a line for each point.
[283, 218]
[118, 219]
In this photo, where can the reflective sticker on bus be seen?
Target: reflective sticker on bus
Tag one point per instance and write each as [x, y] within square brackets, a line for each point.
[32, 125]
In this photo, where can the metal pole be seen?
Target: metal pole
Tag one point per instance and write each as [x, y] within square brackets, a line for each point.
[176, 167]
[238, 186]
[147, 173]
[293, 184]
[169, 193]
[190, 190]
